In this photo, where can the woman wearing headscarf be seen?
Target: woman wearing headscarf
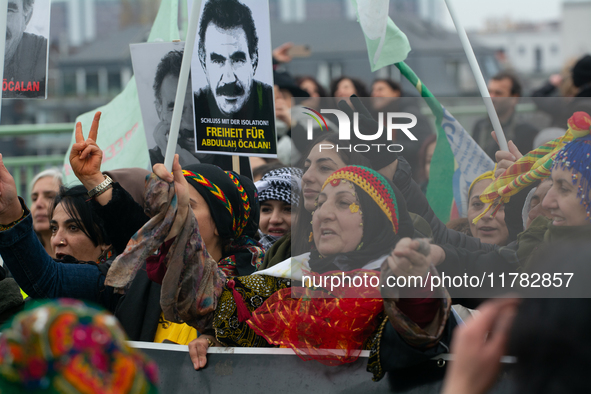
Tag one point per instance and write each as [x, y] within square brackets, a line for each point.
[279, 197]
[359, 219]
[491, 230]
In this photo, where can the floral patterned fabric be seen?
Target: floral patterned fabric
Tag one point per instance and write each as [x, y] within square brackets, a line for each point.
[254, 291]
[69, 347]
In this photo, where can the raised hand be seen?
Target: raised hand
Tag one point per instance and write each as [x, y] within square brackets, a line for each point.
[10, 206]
[477, 348]
[86, 156]
[281, 53]
[410, 258]
[181, 187]
[505, 159]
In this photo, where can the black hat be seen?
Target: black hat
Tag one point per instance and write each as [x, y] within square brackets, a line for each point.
[285, 81]
[582, 71]
[232, 199]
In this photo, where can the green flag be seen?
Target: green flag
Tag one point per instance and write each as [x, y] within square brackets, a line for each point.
[121, 132]
[386, 43]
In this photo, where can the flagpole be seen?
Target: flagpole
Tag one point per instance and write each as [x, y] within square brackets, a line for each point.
[3, 19]
[494, 118]
[181, 89]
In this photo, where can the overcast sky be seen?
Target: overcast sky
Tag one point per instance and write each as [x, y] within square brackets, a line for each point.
[473, 13]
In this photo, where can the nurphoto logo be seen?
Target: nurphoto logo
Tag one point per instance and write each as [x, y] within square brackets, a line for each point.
[394, 121]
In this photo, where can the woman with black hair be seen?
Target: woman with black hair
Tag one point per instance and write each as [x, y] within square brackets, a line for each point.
[345, 87]
[77, 232]
[311, 85]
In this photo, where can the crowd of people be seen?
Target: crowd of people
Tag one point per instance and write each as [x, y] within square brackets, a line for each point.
[205, 257]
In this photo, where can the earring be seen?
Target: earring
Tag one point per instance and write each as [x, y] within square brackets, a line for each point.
[311, 237]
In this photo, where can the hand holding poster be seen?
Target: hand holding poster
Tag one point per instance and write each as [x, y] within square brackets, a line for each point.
[234, 113]
[26, 50]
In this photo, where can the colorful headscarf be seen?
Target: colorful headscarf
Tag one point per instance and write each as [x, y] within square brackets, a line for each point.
[234, 207]
[481, 177]
[576, 157]
[382, 205]
[532, 167]
[232, 199]
[283, 184]
[69, 347]
[374, 184]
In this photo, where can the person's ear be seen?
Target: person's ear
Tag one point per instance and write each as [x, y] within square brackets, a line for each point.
[215, 231]
[255, 62]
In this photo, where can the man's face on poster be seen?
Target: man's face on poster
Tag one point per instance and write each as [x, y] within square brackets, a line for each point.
[228, 66]
[16, 22]
[166, 106]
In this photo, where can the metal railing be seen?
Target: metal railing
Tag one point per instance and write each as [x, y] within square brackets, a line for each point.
[24, 168]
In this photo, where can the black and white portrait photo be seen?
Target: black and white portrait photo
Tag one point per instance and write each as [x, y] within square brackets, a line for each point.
[26, 50]
[157, 68]
[233, 78]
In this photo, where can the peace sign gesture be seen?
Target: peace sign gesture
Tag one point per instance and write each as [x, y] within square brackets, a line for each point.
[86, 156]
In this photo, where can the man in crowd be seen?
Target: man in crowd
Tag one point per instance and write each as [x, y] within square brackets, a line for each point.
[25, 54]
[228, 52]
[505, 91]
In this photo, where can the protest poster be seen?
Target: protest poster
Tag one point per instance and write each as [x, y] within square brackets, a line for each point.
[156, 67]
[232, 79]
[26, 51]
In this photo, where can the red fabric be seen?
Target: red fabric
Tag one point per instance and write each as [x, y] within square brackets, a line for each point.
[155, 264]
[330, 330]
[419, 305]
[243, 313]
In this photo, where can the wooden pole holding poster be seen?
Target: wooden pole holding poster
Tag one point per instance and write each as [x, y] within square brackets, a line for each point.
[236, 164]
[492, 113]
[3, 16]
[182, 85]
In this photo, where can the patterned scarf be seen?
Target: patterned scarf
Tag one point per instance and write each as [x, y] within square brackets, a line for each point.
[283, 184]
[532, 167]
